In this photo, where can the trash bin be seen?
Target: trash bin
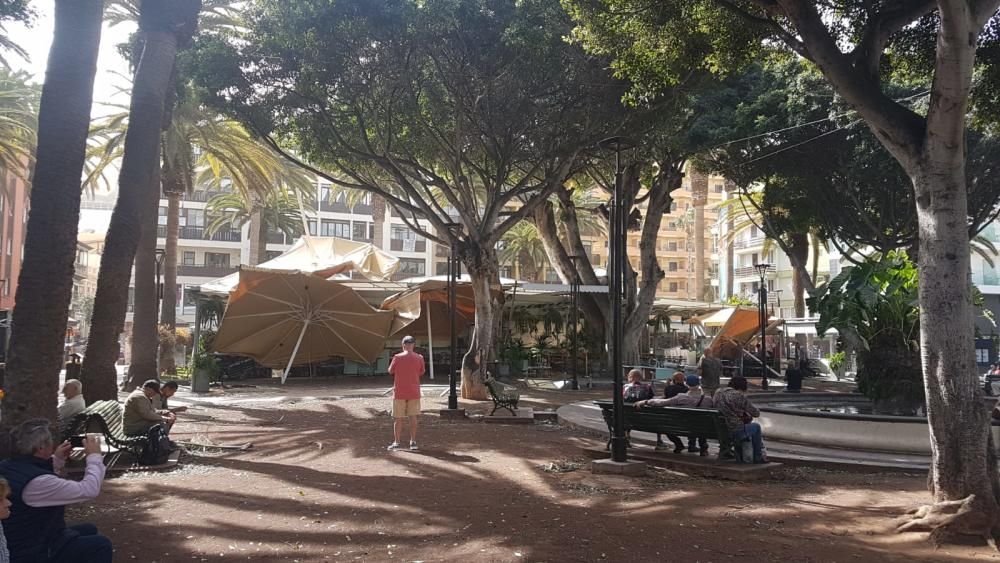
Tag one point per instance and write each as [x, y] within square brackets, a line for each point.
[200, 380]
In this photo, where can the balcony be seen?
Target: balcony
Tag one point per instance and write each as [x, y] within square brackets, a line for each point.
[202, 195]
[338, 206]
[397, 245]
[204, 271]
[749, 243]
[198, 233]
[276, 238]
[750, 272]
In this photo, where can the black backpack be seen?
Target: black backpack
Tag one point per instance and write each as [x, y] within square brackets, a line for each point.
[157, 448]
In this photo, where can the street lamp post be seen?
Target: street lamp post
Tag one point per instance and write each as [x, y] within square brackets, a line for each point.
[616, 266]
[762, 272]
[453, 271]
[160, 257]
[575, 320]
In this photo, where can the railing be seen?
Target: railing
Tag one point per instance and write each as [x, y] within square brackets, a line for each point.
[204, 270]
[336, 206]
[749, 243]
[276, 238]
[750, 272]
[198, 233]
[202, 195]
[418, 246]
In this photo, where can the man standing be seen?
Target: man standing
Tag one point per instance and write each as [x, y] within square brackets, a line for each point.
[139, 415]
[36, 529]
[406, 368]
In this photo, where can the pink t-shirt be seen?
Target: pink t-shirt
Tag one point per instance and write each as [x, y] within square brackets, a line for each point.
[406, 368]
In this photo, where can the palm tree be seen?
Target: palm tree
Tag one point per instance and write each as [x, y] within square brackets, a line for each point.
[278, 211]
[165, 27]
[46, 279]
[523, 249]
[18, 122]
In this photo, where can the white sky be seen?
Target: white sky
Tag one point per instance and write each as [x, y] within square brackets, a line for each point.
[111, 70]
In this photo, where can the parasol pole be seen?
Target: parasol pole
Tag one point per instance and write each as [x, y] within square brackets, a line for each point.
[430, 340]
[295, 351]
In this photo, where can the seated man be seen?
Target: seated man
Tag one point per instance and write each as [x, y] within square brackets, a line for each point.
[167, 390]
[36, 530]
[139, 415]
[74, 404]
[693, 398]
[739, 413]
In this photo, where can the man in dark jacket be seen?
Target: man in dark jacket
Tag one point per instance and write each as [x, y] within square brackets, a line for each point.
[36, 530]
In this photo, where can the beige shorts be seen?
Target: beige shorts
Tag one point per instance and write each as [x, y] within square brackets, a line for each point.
[402, 408]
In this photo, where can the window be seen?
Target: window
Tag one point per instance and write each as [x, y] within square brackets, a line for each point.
[754, 259]
[551, 276]
[672, 287]
[312, 227]
[161, 216]
[401, 233]
[718, 188]
[672, 245]
[412, 267]
[10, 247]
[324, 193]
[982, 354]
[188, 258]
[363, 231]
[673, 206]
[339, 229]
[193, 218]
[754, 231]
[216, 260]
[672, 266]
[672, 225]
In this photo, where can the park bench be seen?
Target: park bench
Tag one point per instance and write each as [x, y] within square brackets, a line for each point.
[106, 417]
[678, 421]
[504, 396]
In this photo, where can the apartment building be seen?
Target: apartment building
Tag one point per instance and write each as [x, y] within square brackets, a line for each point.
[202, 257]
[693, 215]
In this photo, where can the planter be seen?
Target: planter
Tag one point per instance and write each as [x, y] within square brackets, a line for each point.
[200, 380]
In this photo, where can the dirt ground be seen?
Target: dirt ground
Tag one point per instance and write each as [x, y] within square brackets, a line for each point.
[319, 485]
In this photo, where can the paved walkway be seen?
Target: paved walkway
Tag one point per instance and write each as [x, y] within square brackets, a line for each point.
[587, 416]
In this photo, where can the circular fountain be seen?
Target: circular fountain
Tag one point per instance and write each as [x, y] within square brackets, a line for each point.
[843, 420]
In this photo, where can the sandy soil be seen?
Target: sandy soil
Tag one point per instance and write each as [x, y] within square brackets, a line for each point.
[319, 485]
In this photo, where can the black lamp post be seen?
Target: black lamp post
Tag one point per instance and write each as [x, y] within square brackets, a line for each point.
[762, 272]
[161, 255]
[575, 321]
[453, 271]
[616, 254]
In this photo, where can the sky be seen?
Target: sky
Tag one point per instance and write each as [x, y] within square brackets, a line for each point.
[111, 72]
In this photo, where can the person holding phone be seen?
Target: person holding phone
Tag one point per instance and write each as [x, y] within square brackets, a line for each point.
[36, 529]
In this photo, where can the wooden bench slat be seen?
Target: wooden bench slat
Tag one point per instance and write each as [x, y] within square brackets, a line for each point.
[677, 421]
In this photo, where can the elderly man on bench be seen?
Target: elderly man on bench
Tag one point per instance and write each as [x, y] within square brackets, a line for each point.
[694, 398]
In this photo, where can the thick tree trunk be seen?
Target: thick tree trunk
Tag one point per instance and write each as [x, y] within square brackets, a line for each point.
[658, 203]
[145, 342]
[46, 280]
[481, 263]
[962, 464]
[140, 164]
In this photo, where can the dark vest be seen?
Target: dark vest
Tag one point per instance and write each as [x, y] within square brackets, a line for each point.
[32, 533]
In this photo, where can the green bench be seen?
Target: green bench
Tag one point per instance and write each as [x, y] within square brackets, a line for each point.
[677, 421]
[504, 396]
[106, 417]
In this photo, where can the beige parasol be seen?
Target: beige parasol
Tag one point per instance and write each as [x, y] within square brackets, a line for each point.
[283, 318]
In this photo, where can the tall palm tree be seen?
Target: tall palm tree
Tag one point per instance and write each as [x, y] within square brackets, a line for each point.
[165, 27]
[18, 122]
[46, 280]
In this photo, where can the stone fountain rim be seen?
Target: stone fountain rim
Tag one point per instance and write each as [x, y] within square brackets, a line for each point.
[762, 399]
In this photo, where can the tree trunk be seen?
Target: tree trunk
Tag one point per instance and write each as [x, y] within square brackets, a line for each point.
[168, 311]
[258, 239]
[962, 464]
[46, 280]
[699, 197]
[137, 178]
[658, 203]
[798, 254]
[378, 221]
[145, 335]
[481, 263]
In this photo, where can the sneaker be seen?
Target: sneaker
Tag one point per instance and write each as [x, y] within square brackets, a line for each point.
[704, 452]
[679, 450]
[393, 446]
[413, 446]
[661, 447]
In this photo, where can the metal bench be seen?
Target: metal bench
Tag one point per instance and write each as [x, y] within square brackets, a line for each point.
[677, 421]
[504, 396]
[106, 417]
